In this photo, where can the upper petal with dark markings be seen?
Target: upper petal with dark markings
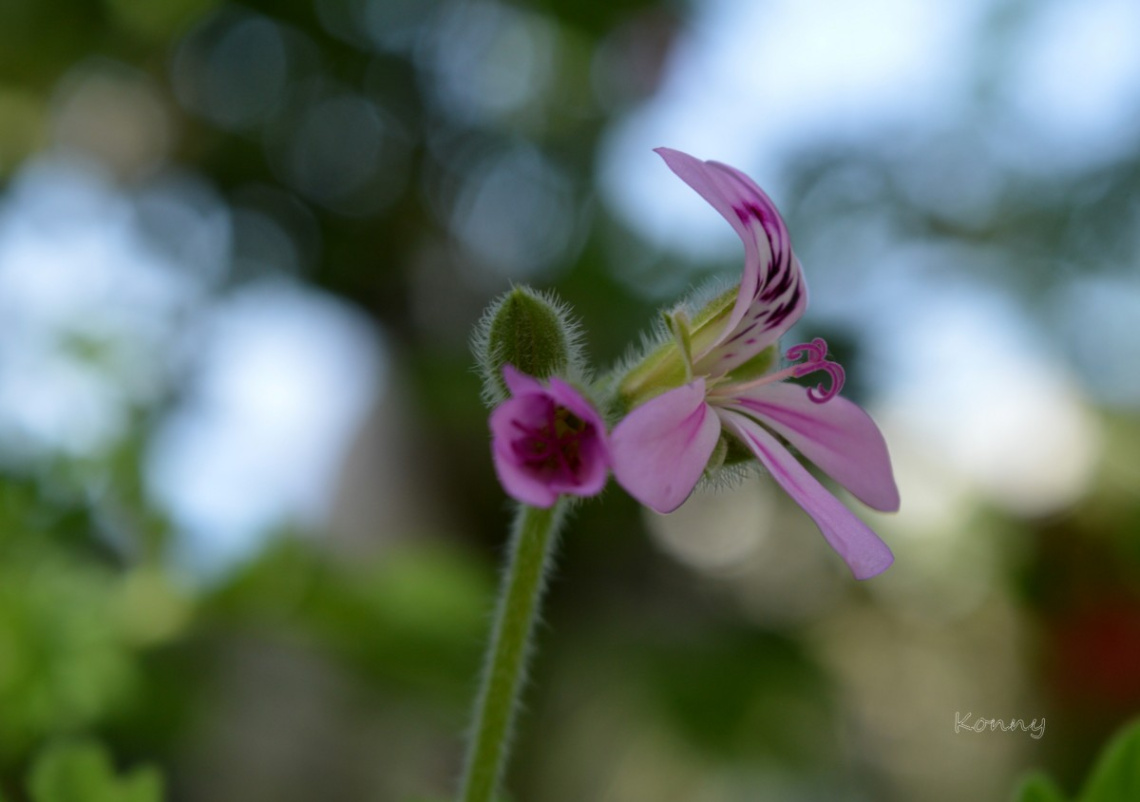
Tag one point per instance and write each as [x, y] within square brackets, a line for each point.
[772, 294]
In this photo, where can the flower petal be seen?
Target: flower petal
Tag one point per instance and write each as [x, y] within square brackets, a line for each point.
[594, 452]
[566, 396]
[772, 294]
[661, 448]
[539, 451]
[865, 554]
[595, 448]
[520, 383]
[520, 483]
[837, 435]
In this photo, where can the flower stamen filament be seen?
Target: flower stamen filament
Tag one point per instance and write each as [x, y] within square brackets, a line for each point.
[816, 353]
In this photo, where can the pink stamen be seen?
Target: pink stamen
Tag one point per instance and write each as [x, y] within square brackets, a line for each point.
[816, 352]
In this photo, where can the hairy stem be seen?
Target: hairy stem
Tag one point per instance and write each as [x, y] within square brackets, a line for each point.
[532, 545]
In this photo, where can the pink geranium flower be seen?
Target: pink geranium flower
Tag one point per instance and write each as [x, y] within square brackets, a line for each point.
[661, 449]
[547, 440]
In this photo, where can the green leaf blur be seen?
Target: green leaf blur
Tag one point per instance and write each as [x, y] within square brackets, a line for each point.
[82, 772]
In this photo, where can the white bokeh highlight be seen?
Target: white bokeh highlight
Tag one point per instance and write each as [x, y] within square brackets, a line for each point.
[285, 380]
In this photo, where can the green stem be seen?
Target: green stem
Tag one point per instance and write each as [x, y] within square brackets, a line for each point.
[532, 546]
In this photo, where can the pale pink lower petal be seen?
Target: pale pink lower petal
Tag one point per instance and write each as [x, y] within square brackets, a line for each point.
[865, 554]
[836, 435]
[661, 448]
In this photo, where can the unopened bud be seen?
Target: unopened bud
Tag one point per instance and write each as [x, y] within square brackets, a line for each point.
[527, 329]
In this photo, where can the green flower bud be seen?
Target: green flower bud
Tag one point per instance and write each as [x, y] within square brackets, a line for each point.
[530, 330]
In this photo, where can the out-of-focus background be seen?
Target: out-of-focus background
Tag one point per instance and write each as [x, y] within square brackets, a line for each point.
[249, 530]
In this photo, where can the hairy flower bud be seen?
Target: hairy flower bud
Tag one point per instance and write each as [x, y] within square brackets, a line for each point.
[531, 331]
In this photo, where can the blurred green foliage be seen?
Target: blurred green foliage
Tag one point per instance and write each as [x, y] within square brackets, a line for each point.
[745, 696]
[65, 655]
[86, 647]
[1039, 788]
[1117, 772]
[423, 610]
[82, 772]
[1114, 778]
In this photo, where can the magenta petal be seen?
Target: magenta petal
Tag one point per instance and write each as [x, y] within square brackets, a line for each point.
[865, 554]
[519, 383]
[594, 447]
[661, 448]
[540, 451]
[595, 455]
[837, 435]
[566, 396]
[520, 484]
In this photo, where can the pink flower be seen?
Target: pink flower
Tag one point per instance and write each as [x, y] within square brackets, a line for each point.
[547, 441]
[663, 446]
